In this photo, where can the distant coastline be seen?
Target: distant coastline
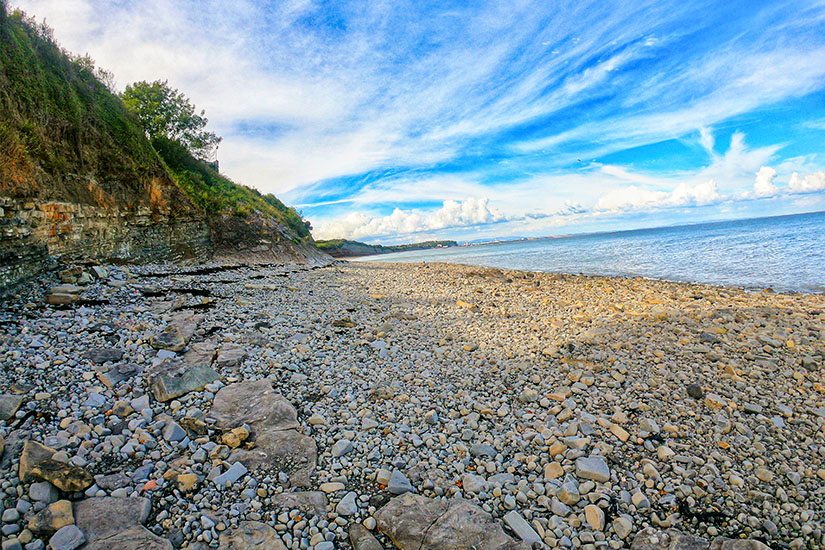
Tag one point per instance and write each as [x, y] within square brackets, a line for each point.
[343, 248]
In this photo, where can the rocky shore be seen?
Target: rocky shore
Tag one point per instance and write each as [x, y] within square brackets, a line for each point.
[374, 406]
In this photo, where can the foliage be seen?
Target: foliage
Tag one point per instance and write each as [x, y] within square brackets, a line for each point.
[217, 194]
[165, 112]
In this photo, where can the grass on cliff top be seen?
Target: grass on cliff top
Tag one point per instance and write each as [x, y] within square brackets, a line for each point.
[215, 193]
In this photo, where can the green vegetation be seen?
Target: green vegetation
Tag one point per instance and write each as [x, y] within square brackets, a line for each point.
[65, 136]
[59, 122]
[164, 112]
[343, 248]
[218, 194]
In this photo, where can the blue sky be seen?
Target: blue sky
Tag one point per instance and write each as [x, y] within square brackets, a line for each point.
[393, 121]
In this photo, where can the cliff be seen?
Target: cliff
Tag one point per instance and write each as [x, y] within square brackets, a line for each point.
[79, 178]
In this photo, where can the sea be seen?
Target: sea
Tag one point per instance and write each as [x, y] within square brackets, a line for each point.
[783, 253]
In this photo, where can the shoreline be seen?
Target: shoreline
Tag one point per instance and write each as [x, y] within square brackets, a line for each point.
[591, 407]
[743, 288]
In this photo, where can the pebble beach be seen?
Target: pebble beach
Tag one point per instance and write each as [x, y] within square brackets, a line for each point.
[370, 406]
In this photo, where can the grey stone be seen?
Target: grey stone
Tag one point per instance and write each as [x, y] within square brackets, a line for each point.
[399, 484]
[102, 517]
[173, 378]
[594, 468]
[230, 355]
[119, 373]
[254, 403]
[67, 538]
[362, 539]
[473, 483]
[348, 506]
[173, 432]
[341, 447]
[233, 474]
[104, 355]
[9, 404]
[521, 528]
[134, 538]
[43, 491]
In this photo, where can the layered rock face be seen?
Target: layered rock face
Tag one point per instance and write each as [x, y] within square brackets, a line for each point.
[35, 234]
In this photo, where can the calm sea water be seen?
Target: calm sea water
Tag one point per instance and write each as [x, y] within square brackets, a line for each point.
[785, 253]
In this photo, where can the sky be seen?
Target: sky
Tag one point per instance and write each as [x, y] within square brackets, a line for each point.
[395, 121]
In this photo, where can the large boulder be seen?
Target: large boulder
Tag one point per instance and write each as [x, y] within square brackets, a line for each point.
[101, 517]
[417, 522]
[172, 378]
[135, 538]
[254, 403]
[36, 464]
[286, 451]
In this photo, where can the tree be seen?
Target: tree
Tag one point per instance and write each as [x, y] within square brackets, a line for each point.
[165, 112]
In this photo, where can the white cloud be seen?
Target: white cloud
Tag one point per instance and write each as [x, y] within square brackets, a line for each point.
[810, 184]
[763, 186]
[638, 198]
[452, 214]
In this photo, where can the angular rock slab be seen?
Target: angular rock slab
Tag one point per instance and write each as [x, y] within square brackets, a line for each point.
[136, 538]
[102, 517]
[9, 404]
[254, 403]
[36, 464]
[362, 539]
[309, 502]
[173, 378]
[251, 535]
[651, 539]
[200, 354]
[287, 451]
[465, 526]
[722, 543]
[170, 338]
[406, 518]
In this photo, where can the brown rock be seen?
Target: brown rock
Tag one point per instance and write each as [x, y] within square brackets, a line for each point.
[50, 519]
[405, 519]
[36, 464]
[171, 338]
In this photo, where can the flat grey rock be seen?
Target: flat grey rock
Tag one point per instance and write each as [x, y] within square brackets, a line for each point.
[9, 404]
[67, 538]
[314, 502]
[102, 517]
[134, 538]
[593, 468]
[173, 378]
[362, 539]
[254, 403]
